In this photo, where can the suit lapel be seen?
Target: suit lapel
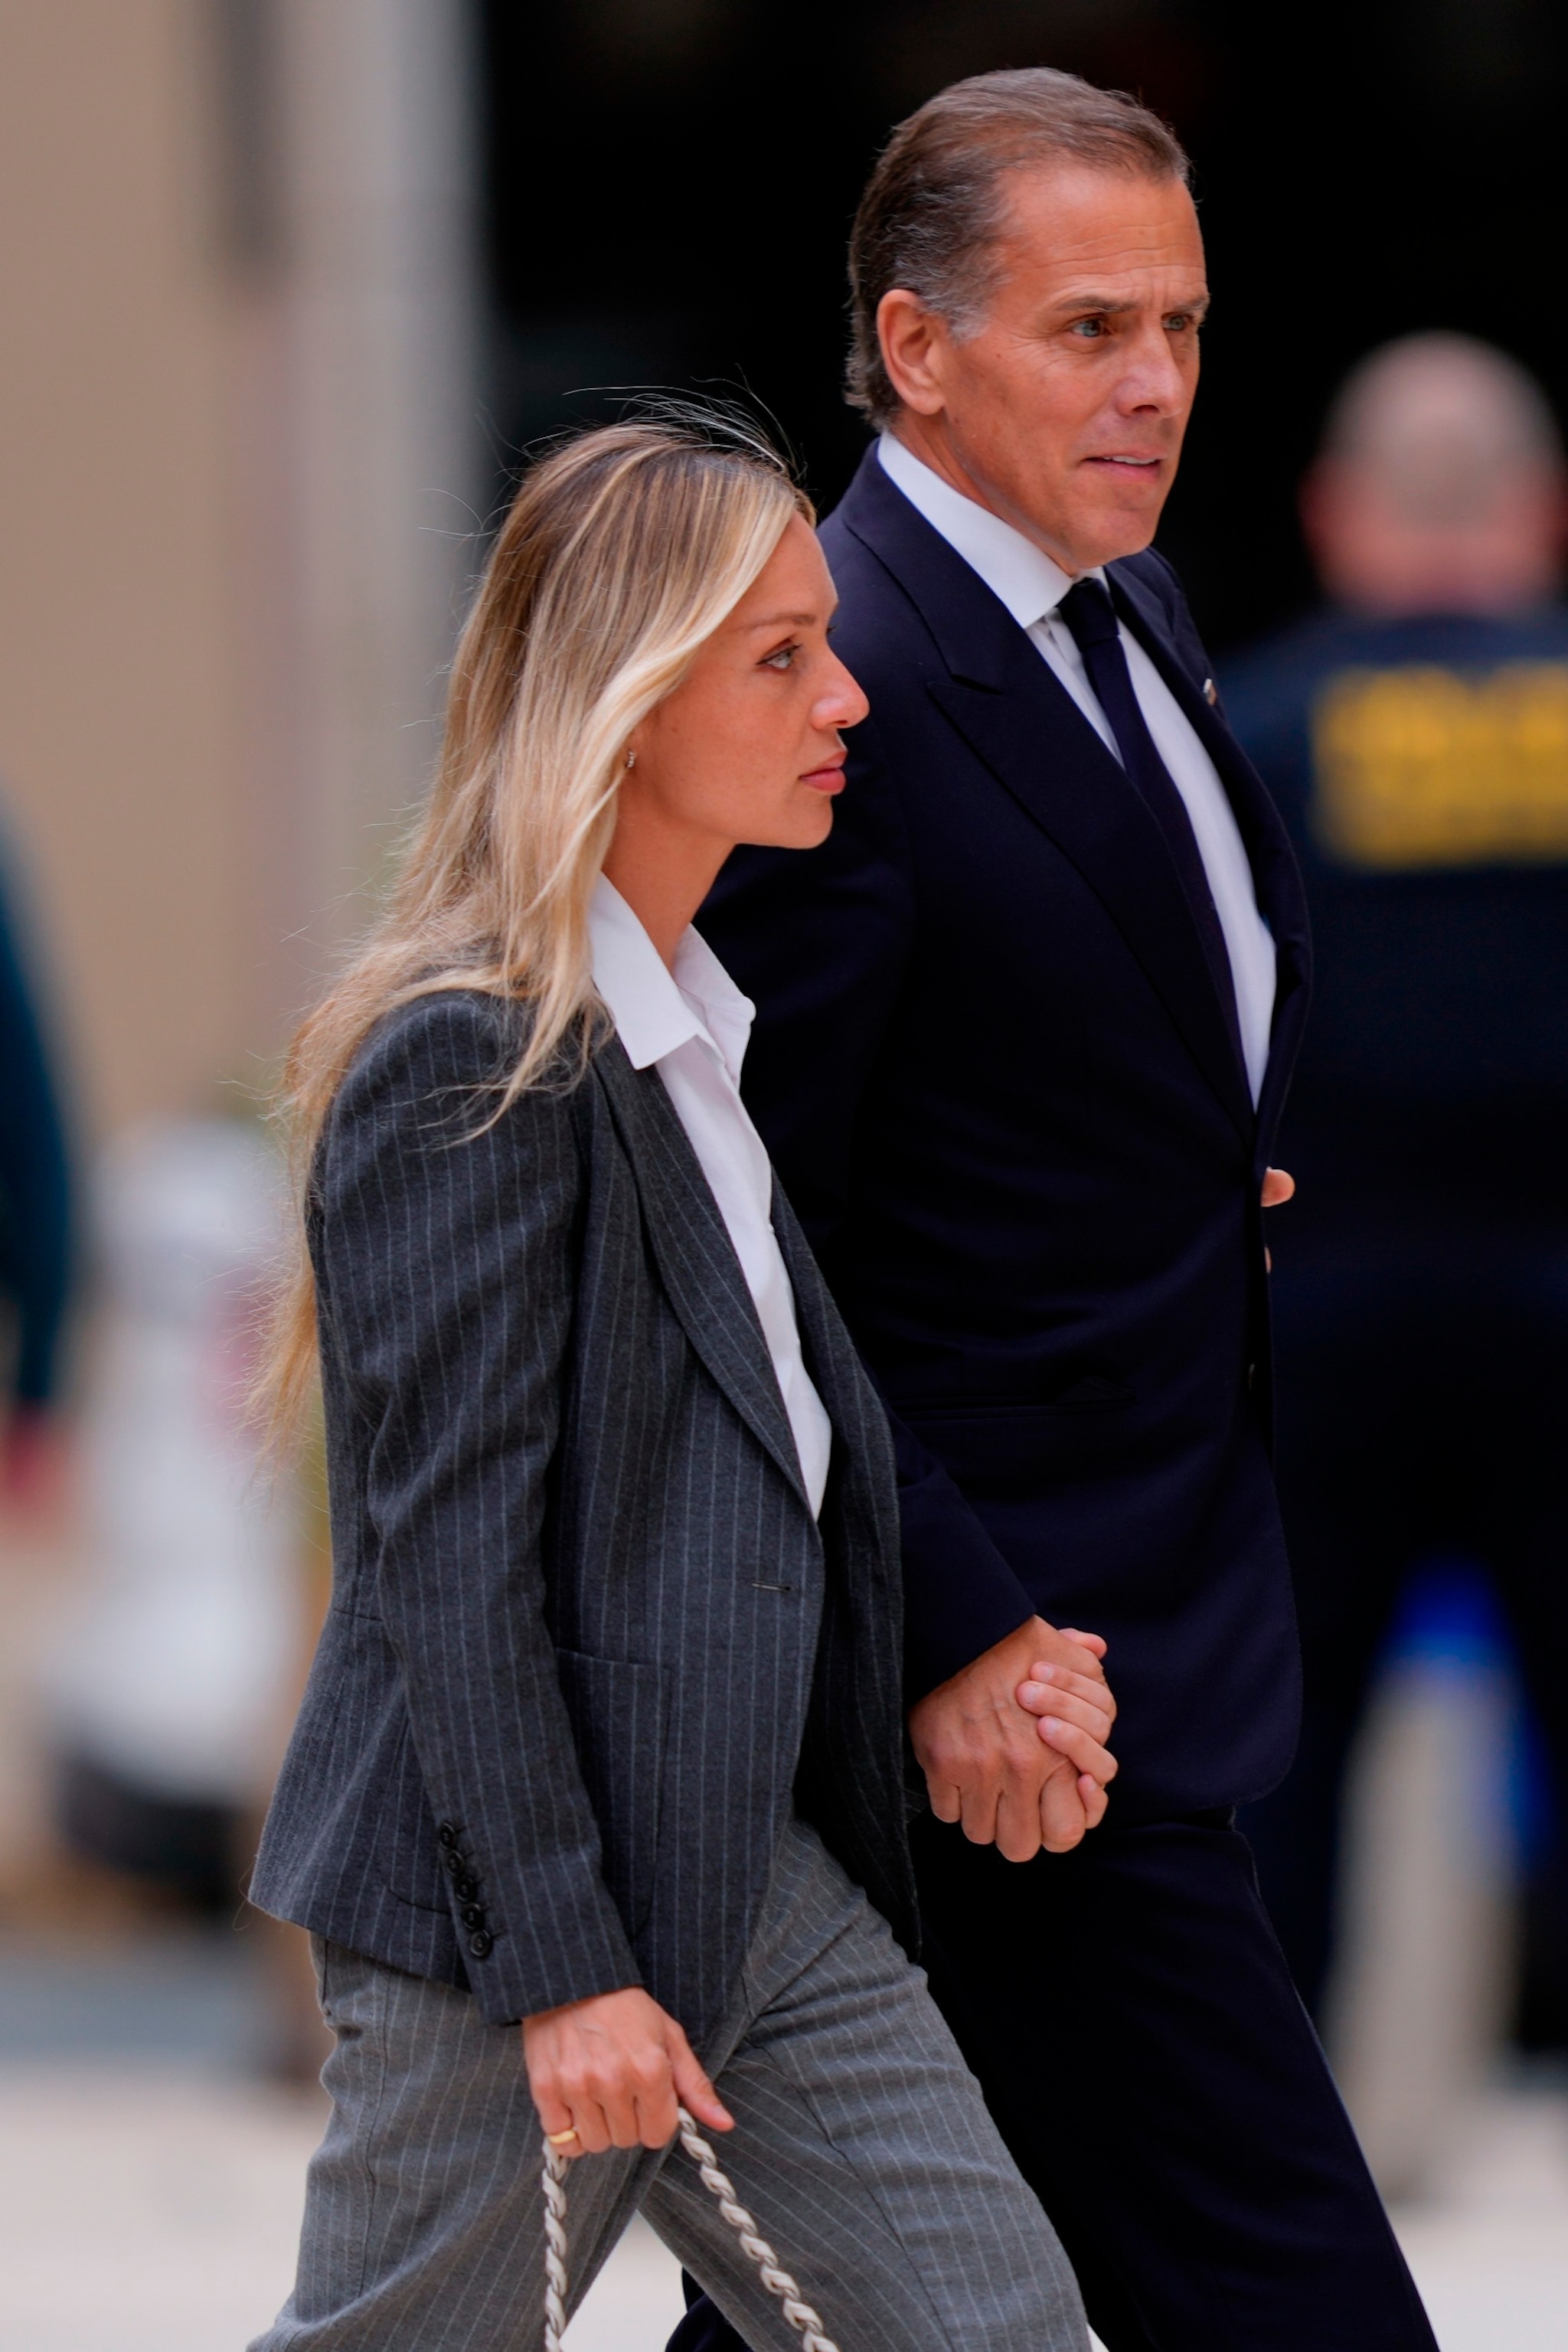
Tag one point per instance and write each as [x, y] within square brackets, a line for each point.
[1009, 707]
[694, 1254]
[1025, 727]
[1277, 877]
[1280, 897]
[1082, 798]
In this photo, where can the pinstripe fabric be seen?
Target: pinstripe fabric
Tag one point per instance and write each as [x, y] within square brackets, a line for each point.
[581, 1609]
[861, 2143]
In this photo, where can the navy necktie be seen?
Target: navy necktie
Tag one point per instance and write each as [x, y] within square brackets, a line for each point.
[1090, 616]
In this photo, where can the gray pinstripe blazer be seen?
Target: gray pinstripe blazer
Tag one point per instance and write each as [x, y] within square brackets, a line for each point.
[586, 1644]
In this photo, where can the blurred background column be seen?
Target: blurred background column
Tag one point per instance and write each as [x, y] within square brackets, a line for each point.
[239, 448]
[353, 220]
[237, 472]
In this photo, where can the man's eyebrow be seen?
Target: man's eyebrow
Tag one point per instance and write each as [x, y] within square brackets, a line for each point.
[1107, 306]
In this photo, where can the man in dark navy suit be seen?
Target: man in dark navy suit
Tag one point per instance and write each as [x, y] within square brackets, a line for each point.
[1415, 730]
[1026, 1024]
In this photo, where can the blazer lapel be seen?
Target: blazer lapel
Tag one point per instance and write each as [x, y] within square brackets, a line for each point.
[694, 1254]
[863, 1485]
[1025, 727]
[830, 1352]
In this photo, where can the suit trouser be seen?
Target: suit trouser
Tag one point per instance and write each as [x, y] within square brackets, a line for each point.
[861, 2145]
[1130, 2018]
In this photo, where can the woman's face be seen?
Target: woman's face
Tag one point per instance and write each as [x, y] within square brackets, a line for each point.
[748, 747]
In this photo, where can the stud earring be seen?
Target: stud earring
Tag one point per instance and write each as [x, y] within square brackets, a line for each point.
[631, 758]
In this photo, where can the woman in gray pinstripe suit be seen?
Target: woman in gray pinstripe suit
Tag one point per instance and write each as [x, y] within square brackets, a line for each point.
[602, 1739]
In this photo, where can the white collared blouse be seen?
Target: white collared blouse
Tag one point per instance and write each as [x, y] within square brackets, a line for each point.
[693, 1025]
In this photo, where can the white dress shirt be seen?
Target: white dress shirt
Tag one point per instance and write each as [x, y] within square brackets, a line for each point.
[694, 1024]
[1031, 587]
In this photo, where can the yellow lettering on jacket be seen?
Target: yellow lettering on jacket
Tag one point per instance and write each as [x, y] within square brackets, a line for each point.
[1424, 767]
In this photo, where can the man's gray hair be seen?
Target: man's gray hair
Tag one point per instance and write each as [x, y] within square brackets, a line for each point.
[934, 207]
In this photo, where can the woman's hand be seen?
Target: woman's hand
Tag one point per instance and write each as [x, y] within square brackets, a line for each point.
[989, 1763]
[1074, 1714]
[612, 2071]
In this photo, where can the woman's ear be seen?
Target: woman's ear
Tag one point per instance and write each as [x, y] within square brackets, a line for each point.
[637, 748]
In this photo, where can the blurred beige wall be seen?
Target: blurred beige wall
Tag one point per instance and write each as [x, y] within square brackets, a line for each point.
[121, 757]
[237, 426]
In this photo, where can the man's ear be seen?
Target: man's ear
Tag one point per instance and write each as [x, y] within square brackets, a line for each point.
[914, 342]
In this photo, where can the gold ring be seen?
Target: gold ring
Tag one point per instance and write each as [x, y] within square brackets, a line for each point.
[559, 2139]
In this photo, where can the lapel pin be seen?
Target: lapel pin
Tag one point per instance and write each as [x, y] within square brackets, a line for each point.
[1210, 693]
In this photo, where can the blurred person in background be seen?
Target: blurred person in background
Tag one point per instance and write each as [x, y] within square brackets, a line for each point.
[35, 1230]
[179, 1656]
[1415, 735]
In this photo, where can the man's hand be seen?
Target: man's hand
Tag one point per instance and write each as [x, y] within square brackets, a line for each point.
[612, 2070]
[1013, 1780]
[1278, 1186]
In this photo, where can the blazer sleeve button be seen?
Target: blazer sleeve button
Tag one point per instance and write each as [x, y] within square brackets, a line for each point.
[473, 1915]
[447, 1833]
[480, 1943]
[466, 1889]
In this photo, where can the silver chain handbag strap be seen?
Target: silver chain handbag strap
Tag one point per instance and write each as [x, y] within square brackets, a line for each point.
[777, 2281]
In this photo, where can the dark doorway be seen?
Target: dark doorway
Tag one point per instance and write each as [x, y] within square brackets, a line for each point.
[670, 182]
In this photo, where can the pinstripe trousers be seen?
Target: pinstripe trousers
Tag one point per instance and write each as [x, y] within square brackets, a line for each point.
[861, 2145]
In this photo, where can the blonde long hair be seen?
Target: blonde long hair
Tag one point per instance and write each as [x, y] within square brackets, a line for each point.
[622, 552]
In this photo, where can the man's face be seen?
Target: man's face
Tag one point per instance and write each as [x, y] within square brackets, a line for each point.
[1065, 413]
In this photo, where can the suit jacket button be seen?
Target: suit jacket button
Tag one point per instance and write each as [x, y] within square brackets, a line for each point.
[447, 1833]
[453, 1863]
[473, 1915]
[466, 1889]
[480, 1942]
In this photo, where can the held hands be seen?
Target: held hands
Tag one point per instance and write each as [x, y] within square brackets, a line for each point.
[1014, 1747]
[1021, 1772]
[612, 2071]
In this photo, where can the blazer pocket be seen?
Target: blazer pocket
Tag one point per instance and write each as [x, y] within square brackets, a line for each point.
[619, 1712]
[1005, 1450]
[411, 1858]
